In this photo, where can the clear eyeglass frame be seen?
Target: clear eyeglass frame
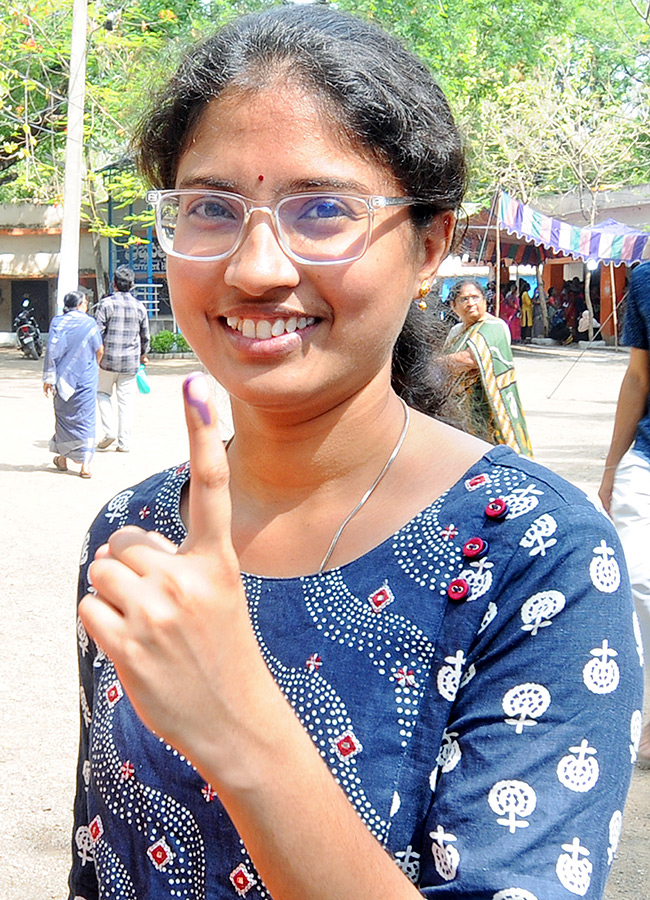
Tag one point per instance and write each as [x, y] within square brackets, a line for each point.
[371, 202]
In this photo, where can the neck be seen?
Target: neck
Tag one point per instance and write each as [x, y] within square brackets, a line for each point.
[277, 460]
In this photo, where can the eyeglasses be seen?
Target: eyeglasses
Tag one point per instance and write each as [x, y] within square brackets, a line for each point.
[311, 228]
[469, 298]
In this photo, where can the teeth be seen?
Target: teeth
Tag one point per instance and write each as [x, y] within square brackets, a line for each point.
[263, 329]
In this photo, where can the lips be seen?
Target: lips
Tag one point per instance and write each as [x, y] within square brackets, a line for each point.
[265, 329]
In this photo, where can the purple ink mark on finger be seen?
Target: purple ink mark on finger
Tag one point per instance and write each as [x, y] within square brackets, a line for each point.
[195, 391]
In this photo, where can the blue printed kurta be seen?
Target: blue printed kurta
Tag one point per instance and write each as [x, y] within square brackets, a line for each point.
[474, 684]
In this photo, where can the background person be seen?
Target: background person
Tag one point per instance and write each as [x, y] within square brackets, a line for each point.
[478, 350]
[250, 734]
[625, 486]
[509, 312]
[124, 327]
[526, 312]
[70, 377]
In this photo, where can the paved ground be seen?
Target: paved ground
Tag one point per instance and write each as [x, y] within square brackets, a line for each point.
[46, 514]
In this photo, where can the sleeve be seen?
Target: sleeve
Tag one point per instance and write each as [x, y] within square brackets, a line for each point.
[636, 325]
[51, 354]
[96, 339]
[101, 319]
[144, 331]
[538, 752]
[82, 880]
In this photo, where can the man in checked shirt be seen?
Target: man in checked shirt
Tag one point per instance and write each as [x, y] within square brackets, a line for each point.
[124, 326]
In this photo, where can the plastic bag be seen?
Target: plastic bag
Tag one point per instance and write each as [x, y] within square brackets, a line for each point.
[142, 380]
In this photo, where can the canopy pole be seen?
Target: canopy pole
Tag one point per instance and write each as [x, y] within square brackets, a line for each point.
[497, 299]
[614, 310]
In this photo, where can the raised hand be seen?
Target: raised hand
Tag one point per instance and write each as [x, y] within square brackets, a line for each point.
[174, 620]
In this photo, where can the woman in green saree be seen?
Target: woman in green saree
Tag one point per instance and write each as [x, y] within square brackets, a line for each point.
[478, 351]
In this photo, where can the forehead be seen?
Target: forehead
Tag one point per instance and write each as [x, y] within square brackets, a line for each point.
[284, 133]
[467, 289]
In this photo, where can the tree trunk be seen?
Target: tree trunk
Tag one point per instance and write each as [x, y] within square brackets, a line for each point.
[588, 303]
[541, 293]
[100, 273]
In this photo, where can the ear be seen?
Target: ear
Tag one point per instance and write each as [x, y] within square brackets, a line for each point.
[437, 241]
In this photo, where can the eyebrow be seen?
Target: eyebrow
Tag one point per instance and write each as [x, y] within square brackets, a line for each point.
[207, 181]
[294, 186]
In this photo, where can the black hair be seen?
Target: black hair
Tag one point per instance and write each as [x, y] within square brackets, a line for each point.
[377, 93]
[124, 278]
[457, 286]
[73, 300]
[383, 97]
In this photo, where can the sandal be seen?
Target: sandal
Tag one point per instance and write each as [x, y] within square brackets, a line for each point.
[83, 474]
[61, 463]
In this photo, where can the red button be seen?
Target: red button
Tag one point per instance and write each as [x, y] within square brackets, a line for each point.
[497, 508]
[458, 589]
[475, 548]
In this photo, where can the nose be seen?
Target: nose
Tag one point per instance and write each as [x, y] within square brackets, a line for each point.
[260, 264]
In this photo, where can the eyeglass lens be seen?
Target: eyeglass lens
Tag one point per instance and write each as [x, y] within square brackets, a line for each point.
[311, 227]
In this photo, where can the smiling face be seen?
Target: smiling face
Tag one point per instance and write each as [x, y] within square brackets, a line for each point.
[275, 332]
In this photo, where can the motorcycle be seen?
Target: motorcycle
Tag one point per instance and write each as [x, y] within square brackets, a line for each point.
[28, 332]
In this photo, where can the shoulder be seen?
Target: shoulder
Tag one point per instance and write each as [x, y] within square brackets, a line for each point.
[454, 332]
[640, 277]
[538, 506]
[493, 325]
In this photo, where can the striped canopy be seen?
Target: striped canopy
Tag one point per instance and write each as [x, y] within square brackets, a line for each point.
[609, 241]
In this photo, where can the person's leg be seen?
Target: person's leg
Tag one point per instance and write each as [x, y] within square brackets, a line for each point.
[126, 385]
[105, 383]
[630, 510]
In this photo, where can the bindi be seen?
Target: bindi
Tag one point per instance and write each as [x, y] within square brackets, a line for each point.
[260, 178]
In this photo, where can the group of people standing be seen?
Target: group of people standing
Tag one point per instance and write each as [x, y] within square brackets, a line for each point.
[86, 359]
[517, 309]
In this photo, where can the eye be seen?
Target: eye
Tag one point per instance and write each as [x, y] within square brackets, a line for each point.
[212, 210]
[325, 208]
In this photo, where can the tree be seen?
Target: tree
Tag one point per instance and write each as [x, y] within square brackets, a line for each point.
[491, 56]
[557, 130]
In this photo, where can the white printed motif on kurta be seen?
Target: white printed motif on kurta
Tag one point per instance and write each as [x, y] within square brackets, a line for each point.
[573, 871]
[524, 703]
[579, 771]
[601, 675]
[512, 801]
[445, 856]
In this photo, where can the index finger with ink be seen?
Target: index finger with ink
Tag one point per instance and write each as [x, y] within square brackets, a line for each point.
[210, 507]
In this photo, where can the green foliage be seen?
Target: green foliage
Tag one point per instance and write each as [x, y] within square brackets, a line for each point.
[169, 342]
[181, 344]
[558, 129]
[494, 59]
[162, 342]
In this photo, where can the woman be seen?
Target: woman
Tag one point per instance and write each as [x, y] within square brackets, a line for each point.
[478, 349]
[510, 312]
[300, 731]
[73, 352]
[526, 312]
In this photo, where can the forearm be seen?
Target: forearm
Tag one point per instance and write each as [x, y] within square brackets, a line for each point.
[631, 407]
[460, 362]
[301, 831]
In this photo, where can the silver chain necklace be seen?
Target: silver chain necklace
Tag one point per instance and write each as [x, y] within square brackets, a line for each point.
[369, 492]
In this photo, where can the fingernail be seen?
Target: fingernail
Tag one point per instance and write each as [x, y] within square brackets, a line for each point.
[195, 390]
